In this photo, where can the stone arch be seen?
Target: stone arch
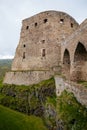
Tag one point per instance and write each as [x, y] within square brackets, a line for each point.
[80, 53]
[66, 64]
[79, 64]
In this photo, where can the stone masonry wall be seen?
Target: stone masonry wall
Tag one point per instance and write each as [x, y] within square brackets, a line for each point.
[26, 77]
[76, 45]
[80, 92]
[40, 40]
[39, 48]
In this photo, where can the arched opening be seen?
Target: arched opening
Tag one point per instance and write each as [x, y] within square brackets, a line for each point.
[80, 53]
[80, 58]
[66, 64]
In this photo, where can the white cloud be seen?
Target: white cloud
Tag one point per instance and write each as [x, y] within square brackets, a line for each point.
[6, 57]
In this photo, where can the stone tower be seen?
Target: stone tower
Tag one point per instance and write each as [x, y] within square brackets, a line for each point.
[38, 55]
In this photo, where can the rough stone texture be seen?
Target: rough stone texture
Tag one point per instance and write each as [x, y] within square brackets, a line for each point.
[76, 45]
[79, 91]
[40, 40]
[26, 77]
[39, 46]
[50, 41]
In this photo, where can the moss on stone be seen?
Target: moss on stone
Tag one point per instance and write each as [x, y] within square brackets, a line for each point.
[83, 83]
[72, 113]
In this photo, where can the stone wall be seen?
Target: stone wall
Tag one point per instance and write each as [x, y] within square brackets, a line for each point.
[39, 49]
[44, 40]
[76, 45]
[80, 92]
[40, 40]
[26, 77]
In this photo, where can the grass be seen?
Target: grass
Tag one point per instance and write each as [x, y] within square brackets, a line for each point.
[51, 101]
[73, 114]
[84, 83]
[45, 83]
[1, 84]
[12, 120]
[5, 65]
[28, 98]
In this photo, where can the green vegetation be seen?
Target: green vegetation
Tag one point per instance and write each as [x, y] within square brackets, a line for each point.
[5, 65]
[28, 99]
[83, 83]
[12, 120]
[39, 100]
[72, 113]
[51, 101]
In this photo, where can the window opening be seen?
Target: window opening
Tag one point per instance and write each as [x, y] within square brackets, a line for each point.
[24, 55]
[24, 45]
[27, 27]
[61, 20]
[43, 41]
[35, 24]
[43, 53]
[45, 20]
[71, 25]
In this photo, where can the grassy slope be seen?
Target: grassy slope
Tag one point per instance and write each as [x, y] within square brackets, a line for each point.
[5, 66]
[71, 112]
[83, 83]
[12, 120]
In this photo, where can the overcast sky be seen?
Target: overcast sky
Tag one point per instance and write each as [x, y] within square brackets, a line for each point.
[12, 12]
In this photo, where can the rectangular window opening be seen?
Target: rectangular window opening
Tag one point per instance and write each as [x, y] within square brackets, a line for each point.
[23, 55]
[27, 27]
[61, 20]
[45, 20]
[35, 24]
[71, 25]
[43, 53]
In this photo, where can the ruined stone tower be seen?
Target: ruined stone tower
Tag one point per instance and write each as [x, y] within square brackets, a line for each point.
[42, 48]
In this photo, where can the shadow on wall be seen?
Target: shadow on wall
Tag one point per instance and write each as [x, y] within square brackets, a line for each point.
[66, 64]
[77, 71]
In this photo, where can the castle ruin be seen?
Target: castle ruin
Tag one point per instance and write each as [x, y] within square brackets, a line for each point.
[51, 43]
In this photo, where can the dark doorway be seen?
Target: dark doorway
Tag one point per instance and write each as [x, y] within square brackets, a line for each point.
[66, 64]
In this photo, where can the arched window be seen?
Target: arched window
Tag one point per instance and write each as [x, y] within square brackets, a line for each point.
[66, 58]
[66, 64]
[79, 64]
[80, 53]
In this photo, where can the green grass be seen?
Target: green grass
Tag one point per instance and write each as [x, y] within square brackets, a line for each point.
[1, 84]
[83, 83]
[12, 120]
[73, 114]
[28, 98]
[51, 101]
[5, 65]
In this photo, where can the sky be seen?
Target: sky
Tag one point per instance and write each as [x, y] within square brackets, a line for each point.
[12, 12]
